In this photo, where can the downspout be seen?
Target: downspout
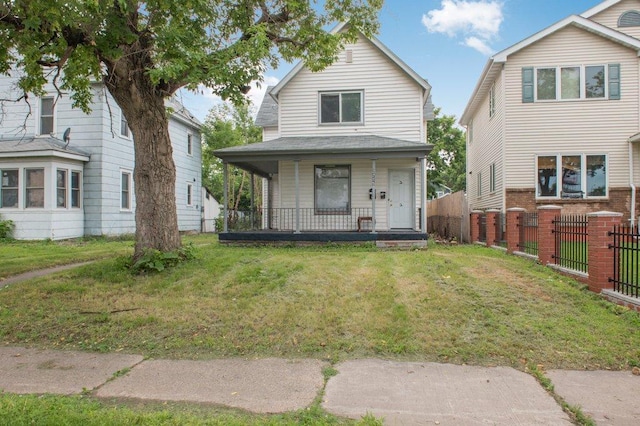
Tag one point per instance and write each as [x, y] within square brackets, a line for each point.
[632, 185]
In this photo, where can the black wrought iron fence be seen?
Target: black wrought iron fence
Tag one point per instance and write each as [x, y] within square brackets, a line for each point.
[528, 229]
[501, 230]
[570, 233]
[304, 219]
[482, 224]
[626, 260]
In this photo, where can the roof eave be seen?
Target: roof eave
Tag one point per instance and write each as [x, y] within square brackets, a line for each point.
[46, 153]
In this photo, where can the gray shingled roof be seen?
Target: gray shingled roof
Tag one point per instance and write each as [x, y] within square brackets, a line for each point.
[47, 145]
[268, 112]
[262, 158]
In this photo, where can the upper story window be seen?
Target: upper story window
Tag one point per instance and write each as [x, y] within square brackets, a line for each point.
[124, 126]
[571, 176]
[341, 107]
[46, 115]
[571, 82]
[630, 18]
[189, 144]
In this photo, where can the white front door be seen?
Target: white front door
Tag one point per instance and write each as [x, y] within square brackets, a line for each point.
[401, 198]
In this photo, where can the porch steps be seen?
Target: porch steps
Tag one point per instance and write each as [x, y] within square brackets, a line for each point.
[402, 244]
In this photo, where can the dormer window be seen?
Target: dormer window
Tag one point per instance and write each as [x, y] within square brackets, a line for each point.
[630, 18]
[341, 107]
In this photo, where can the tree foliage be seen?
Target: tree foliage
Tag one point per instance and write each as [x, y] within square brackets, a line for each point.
[446, 164]
[144, 51]
[226, 126]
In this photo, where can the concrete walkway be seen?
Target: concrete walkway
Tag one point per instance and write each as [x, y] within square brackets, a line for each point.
[403, 393]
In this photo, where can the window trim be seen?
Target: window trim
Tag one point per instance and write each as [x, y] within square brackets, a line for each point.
[129, 180]
[190, 144]
[123, 120]
[65, 188]
[189, 194]
[582, 88]
[583, 176]
[28, 188]
[78, 189]
[12, 188]
[492, 178]
[341, 122]
[328, 212]
[41, 117]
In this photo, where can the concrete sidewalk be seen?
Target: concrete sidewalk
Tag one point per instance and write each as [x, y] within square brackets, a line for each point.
[403, 393]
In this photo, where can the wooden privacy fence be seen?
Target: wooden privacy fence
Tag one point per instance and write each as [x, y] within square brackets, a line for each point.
[448, 217]
[594, 248]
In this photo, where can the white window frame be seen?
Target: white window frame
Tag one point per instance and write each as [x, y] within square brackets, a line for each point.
[189, 194]
[41, 116]
[125, 131]
[558, 73]
[4, 187]
[492, 178]
[72, 189]
[129, 179]
[30, 188]
[583, 176]
[479, 184]
[189, 144]
[340, 121]
[66, 182]
[319, 210]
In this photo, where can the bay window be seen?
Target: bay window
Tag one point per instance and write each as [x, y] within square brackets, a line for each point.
[9, 188]
[61, 188]
[34, 191]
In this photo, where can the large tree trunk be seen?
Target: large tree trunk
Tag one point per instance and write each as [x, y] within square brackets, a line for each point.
[154, 175]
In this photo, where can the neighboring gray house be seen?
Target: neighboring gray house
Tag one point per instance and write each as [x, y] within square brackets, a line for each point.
[66, 174]
[344, 150]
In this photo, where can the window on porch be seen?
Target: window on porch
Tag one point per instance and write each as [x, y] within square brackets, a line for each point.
[333, 189]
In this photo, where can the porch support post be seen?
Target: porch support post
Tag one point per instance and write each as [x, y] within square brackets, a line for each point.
[296, 169]
[423, 194]
[373, 196]
[225, 189]
[253, 200]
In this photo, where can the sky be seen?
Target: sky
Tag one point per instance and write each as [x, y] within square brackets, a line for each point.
[448, 42]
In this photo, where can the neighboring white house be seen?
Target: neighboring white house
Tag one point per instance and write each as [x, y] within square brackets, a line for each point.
[210, 211]
[344, 148]
[554, 119]
[67, 174]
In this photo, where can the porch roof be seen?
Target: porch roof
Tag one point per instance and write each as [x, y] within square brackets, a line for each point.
[262, 158]
[40, 146]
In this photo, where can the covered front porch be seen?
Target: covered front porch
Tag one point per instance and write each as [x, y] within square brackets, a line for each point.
[346, 188]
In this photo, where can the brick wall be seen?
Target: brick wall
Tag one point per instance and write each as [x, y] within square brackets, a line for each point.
[619, 201]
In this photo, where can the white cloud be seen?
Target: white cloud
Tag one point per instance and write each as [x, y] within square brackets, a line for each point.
[479, 21]
[480, 45]
[256, 94]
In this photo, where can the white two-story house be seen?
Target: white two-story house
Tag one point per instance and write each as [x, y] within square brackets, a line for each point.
[554, 119]
[344, 150]
[66, 174]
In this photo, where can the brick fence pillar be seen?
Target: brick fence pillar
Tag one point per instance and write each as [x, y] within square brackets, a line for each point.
[513, 228]
[600, 257]
[475, 225]
[546, 238]
[493, 217]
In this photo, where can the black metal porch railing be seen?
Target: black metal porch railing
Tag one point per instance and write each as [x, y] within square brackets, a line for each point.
[571, 242]
[626, 260]
[528, 228]
[284, 219]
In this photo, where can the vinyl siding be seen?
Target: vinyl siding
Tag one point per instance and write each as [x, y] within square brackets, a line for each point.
[487, 148]
[392, 100]
[270, 133]
[569, 127]
[610, 16]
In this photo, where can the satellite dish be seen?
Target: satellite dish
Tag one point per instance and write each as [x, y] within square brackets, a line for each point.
[67, 136]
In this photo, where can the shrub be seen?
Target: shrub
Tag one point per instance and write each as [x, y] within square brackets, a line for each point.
[6, 229]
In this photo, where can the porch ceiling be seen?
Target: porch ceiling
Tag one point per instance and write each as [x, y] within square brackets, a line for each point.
[262, 158]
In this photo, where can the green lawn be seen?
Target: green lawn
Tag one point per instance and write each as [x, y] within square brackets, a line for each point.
[464, 304]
